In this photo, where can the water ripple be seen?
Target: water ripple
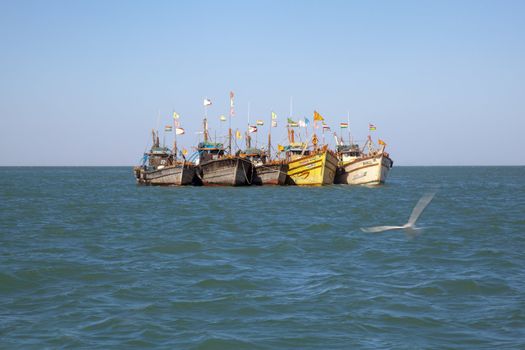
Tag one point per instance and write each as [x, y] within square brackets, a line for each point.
[103, 264]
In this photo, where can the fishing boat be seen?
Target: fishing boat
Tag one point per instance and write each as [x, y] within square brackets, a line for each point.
[161, 167]
[357, 167]
[271, 173]
[308, 166]
[315, 167]
[266, 171]
[217, 168]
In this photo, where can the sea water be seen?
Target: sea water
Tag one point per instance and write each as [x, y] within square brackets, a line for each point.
[88, 259]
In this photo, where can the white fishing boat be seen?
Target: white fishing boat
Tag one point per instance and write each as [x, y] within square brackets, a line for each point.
[357, 167]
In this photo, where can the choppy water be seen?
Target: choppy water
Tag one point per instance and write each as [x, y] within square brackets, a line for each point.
[89, 259]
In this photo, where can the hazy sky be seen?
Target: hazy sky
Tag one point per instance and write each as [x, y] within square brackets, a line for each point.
[82, 83]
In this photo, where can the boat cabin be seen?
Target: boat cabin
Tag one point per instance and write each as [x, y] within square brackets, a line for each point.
[348, 153]
[210, 151]
[158, 157]
[296, 150]
[255, 155]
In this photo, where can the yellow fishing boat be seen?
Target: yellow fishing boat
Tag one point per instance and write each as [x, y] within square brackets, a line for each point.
[310, 167]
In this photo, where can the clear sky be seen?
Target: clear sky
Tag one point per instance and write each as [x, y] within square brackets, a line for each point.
[83, 83]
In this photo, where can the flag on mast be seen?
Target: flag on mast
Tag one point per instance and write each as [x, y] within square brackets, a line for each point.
[176, 115]
[371, 127]
[232, 110]
[343, 125]
[259, 122]
[274, 123]
[222, 118]
[274, 116]
[317, 116]
[207, 102]
[179, 131]
[167, 128]
[252, 128]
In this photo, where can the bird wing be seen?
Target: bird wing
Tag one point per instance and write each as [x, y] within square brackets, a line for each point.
[420, 206]
[380, 228]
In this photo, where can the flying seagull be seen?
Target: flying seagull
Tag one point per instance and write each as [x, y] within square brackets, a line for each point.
[410, 225]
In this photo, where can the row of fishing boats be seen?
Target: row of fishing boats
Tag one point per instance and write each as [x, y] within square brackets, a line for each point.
[298, 163]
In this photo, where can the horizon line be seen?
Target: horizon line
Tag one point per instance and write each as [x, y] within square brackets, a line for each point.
[126, 166]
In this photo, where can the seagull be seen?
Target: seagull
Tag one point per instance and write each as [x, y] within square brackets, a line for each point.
[409, 227]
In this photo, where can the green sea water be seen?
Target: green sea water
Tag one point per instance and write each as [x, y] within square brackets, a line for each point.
[88, 259]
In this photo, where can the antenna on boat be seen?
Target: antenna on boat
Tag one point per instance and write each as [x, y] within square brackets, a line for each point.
[270, 137]
[322, 132]
[205, 119]
[248, 136]
[232, 112]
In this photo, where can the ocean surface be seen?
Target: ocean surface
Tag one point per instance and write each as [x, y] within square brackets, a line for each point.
[88, 259]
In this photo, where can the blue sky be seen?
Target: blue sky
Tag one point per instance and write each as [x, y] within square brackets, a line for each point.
[83, 83]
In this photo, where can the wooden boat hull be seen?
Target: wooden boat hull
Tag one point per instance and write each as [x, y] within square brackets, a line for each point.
[270, 174]
[234, 171]
[313, 170]
[371, 170]
[174, 175]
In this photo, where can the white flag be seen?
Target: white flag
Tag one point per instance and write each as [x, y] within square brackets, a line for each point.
[232, 110]
[207, 102]
[179, 131]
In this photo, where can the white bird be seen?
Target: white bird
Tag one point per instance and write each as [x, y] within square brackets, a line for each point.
[410, 225]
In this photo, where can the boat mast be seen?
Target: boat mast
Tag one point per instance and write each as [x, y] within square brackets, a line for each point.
[270, 139]
[206, 119]
[230, 137]
[174, 137]
[322, 126]
[205, 127]
[153, 137]
[230, 123]
[248, 136]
